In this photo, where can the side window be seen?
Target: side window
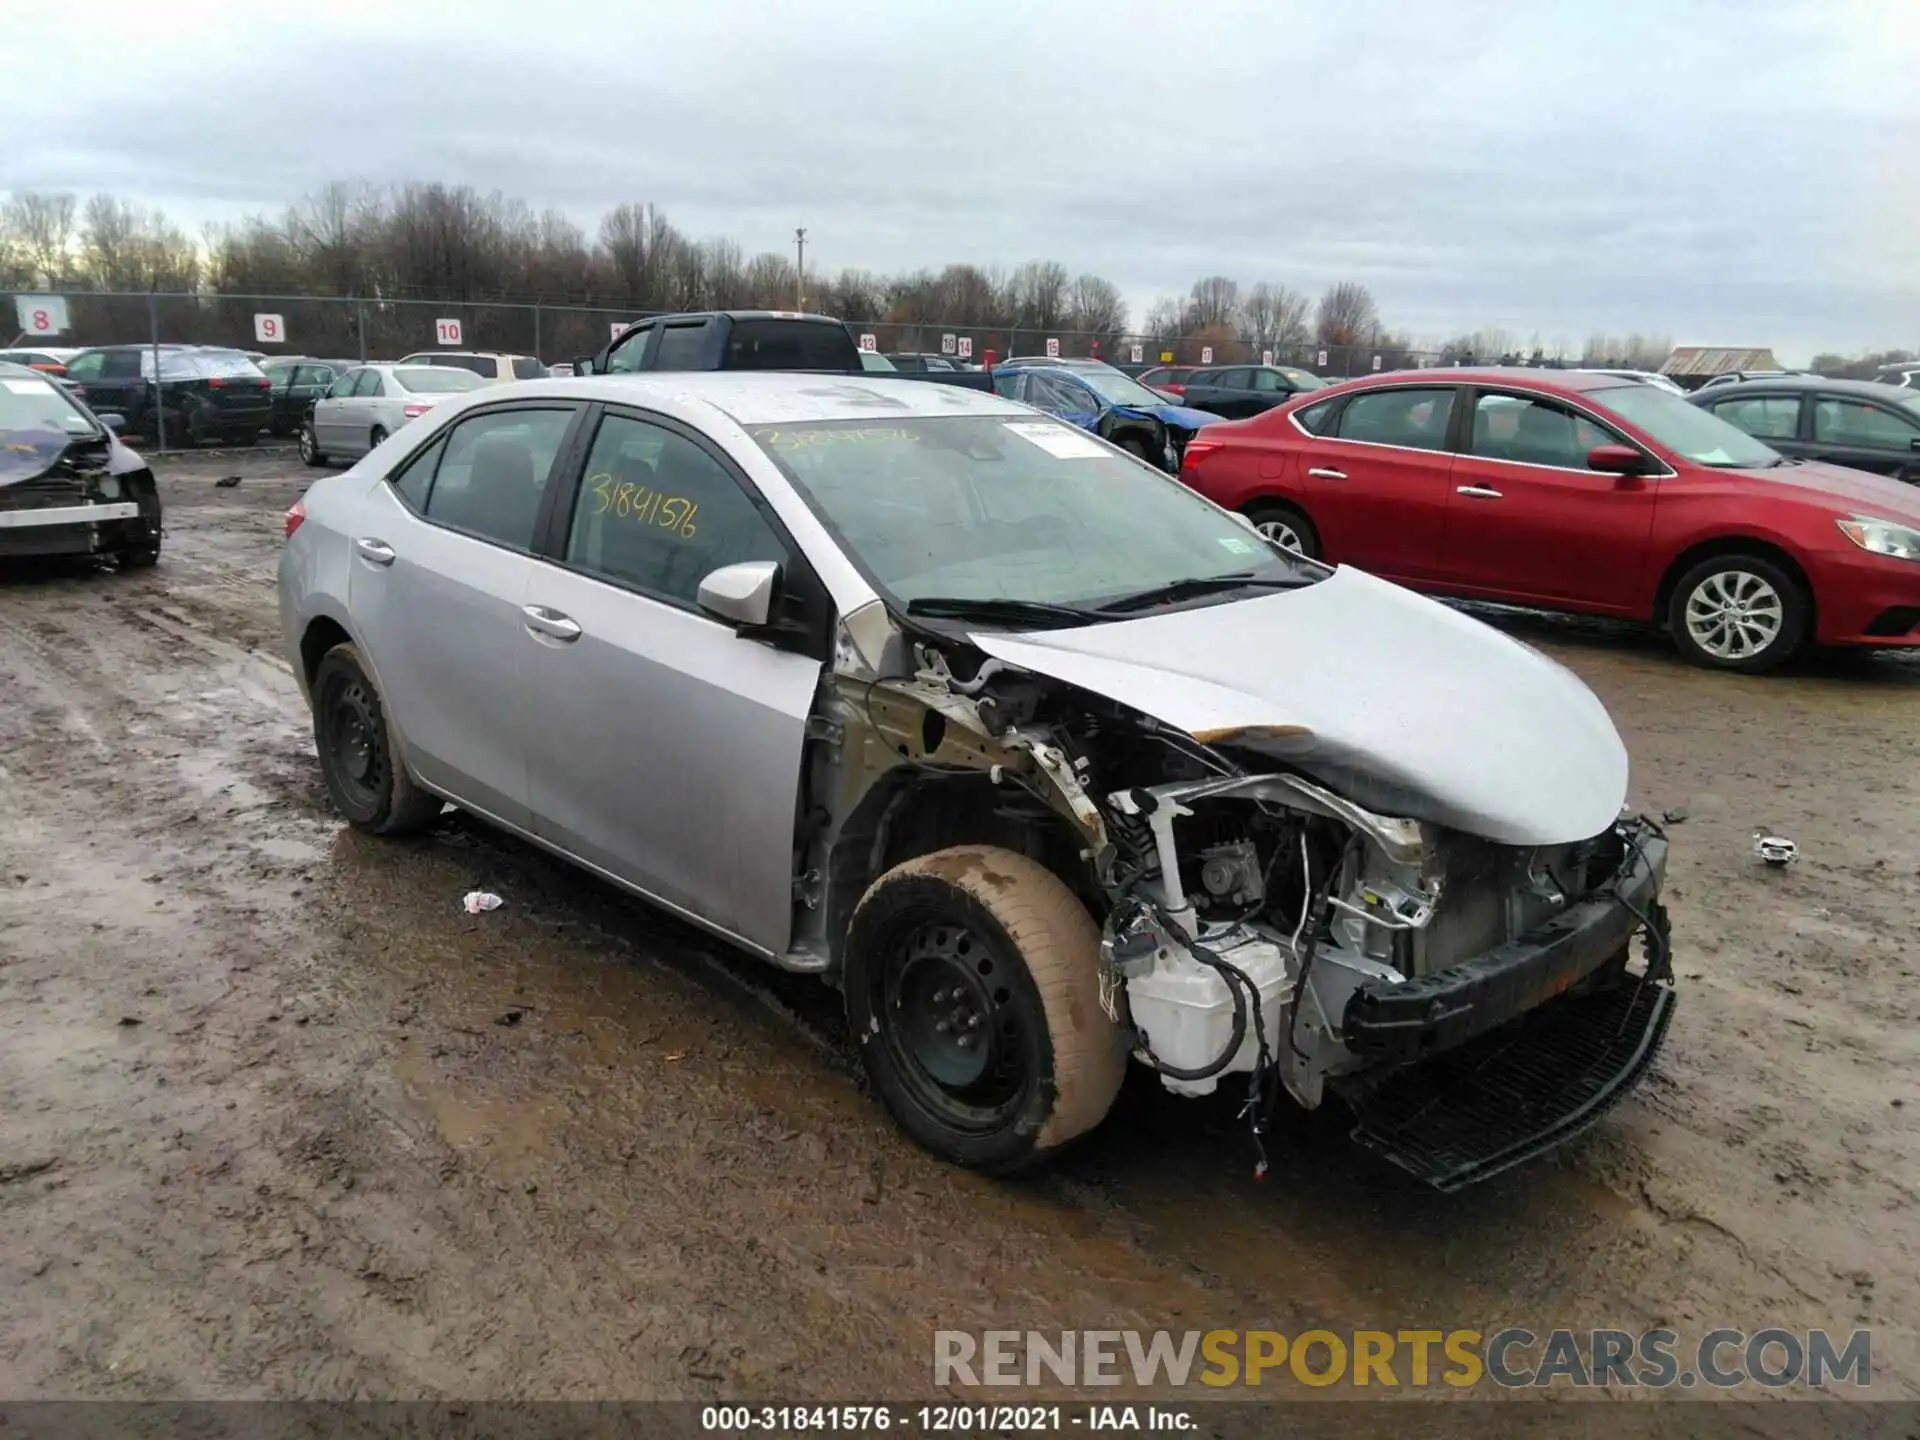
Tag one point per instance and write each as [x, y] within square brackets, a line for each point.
[1534, 432]
[679, 347]
[1051, 393]
[312, 377]
[1007, 384]
[279, 377]
[120, 365]
[631, 353]
[1416, 419]
[1270, 382]
[87, 366]
[366, 383]
[1767, 417]
[416, 477]
[482, 365]
[1314, 418]
[1233, 379]
[343, 385]
[658, 513]
[1848, 422]
[527, 368]
[494, 470]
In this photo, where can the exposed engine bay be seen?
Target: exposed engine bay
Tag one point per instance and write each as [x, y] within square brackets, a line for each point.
[1255, 921]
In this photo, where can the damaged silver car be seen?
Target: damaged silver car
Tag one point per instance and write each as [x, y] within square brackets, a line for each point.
[1047, 763]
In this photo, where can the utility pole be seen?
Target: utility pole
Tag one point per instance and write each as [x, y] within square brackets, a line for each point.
[800, 268]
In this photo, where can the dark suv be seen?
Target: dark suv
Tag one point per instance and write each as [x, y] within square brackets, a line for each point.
[1238, 391]
[207, 396]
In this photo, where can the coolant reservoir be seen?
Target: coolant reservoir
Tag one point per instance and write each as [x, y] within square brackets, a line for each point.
[1184, 1008]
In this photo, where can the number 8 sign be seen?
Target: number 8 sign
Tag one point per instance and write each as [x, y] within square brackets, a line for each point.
[41, 314]
[447, 332]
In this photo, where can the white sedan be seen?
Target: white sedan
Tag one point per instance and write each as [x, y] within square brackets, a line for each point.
[369, 403]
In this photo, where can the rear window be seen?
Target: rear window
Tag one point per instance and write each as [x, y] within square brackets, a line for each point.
[206, 365]
[480, 365]
[1314, 418]
[789, 345]
[680, 347]
[525, 367]
[439, 380]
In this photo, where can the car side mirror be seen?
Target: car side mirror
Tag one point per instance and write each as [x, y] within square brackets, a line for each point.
[743, 593]
[117, 422]
[1616, 460]
[583, 365]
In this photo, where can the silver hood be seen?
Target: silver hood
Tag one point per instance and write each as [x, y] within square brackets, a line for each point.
[1397, 702]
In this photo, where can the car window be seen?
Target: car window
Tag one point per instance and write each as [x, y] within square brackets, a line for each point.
[1771, 417]
[1534, 432]
[527, 368]
[1415, 418]
[1314, 418]
[1269, 382]
[679, 347]
[1049, 392]
[792, 345]
[120, 365]
[427, 380]
[1849, 422]
[87, 367]
[343, 385]
[305, 376]
[494, 470]
[415, 478]
[279, 374]
[658, 513]
[1009, 384]
[631, 353]
[485, 366]
[1231, 379]
[366, 383]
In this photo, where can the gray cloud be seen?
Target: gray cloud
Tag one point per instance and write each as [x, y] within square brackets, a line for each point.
[1718, 170]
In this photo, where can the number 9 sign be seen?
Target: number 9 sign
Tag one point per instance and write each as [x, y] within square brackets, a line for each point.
[447, 332]
[41, 314]
[270, 329]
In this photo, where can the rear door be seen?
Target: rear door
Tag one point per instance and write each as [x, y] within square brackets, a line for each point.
[1866, 435]
[666, 745]
[117, 381]
[1528, 521]
[442, 556]
[1779, 419]
[1224, 392]
[329, 412]
[1377, 485]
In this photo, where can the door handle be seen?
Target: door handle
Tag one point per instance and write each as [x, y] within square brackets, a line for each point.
[1324, 473]
[375, 552]
[1479, 492]
[551, 623]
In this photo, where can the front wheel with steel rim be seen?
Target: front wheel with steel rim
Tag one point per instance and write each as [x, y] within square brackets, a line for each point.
[365, 776]
[1739, 612]
[972, 989]
[310, 446]
[1286, 527]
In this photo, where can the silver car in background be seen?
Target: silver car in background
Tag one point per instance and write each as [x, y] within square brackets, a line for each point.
[1042, 759]
[368, 403]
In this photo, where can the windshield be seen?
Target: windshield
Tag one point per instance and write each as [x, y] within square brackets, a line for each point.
[1684, 428]
[1117, 389]
[437, 381]
[1003, 508]
[37, 422]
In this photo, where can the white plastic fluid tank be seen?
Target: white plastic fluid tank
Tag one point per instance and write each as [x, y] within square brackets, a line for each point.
[1185, 1010]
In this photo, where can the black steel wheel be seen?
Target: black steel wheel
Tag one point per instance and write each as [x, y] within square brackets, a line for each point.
[972, 989]
[366, 779]
[310, 451]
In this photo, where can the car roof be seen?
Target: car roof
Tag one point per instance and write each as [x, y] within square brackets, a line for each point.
[1816, 384]
[761, 397]
[1517, 375]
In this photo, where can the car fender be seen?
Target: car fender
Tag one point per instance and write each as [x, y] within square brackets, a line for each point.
[1669, 548]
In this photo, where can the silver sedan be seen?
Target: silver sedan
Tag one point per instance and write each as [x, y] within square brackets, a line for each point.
[1041, 758]
[368, 403]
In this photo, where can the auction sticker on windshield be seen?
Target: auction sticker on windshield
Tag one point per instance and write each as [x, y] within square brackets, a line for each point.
[28, 387]
[1059, 441]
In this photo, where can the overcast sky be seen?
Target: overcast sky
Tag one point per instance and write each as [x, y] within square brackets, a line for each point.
[1724, 171]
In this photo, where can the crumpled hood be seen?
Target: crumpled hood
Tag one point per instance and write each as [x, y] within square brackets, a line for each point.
[1397, 702]
[1180, 416]
[25, 454]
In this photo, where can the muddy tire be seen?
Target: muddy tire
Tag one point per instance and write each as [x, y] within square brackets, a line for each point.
[310, 450]
[376, 437]
[1137, 448]
[1284, 525]
[141, 557]
[972, 990]
[1739, 612]
[365, 776]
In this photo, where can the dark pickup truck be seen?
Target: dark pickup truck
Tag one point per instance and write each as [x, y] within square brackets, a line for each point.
[753, 340]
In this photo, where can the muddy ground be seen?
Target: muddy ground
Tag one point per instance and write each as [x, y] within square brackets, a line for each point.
[278, 1118]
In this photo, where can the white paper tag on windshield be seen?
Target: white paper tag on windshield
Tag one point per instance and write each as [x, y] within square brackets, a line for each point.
[1237, 545]
[1059, 440]
[28, 387]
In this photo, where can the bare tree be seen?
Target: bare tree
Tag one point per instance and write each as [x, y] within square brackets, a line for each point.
[1165, 320]
[771, 280]
[1346, 315]
[1039, 293]
[1214, 304]
[726, 272]
[1274, 317]
[638, 241]
[41, 224]
[1094, 305]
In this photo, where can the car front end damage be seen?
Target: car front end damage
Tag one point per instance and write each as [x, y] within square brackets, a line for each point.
[1474, 1001]
[67, 496]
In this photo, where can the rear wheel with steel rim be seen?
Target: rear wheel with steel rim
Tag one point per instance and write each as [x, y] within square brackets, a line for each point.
[1739, 612]
[310, 446]
[1286, 527]
[367, 780]
[972, 989]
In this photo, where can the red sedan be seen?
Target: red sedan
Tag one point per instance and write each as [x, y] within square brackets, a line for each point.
[1572, 491]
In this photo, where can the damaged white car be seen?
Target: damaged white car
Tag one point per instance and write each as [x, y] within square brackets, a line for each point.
[1046, 762]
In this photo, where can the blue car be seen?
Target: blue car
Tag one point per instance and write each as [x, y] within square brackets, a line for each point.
[1097, 397]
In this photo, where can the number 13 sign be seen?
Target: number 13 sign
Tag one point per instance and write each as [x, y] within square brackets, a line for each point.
[447, 332]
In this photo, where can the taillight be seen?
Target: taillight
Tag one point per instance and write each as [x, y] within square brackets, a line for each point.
[1197, 449]
[1177, 391]
[295, 516]
[216, 382]
[414, 412]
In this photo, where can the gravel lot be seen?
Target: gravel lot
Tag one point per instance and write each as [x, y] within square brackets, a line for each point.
[278, 1118]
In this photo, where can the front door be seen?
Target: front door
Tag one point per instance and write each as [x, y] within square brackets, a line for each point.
[442, 560]
[1377, 487]
[1867, 435]
[1528, 521]
[666, 746]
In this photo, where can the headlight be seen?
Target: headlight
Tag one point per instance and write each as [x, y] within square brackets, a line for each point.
[1882, 537]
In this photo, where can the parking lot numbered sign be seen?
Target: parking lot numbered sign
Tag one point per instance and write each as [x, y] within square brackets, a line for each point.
[947, 343]
[1322, 361]
[620, 327]
[41, 314]
[1266, 357]
[1206, 354]
[1138, 352]
[869, 344]
[1376, 362]
[447, 332]
[966, 347]
[1166, 357]
[270, 329]
[1053, 348]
